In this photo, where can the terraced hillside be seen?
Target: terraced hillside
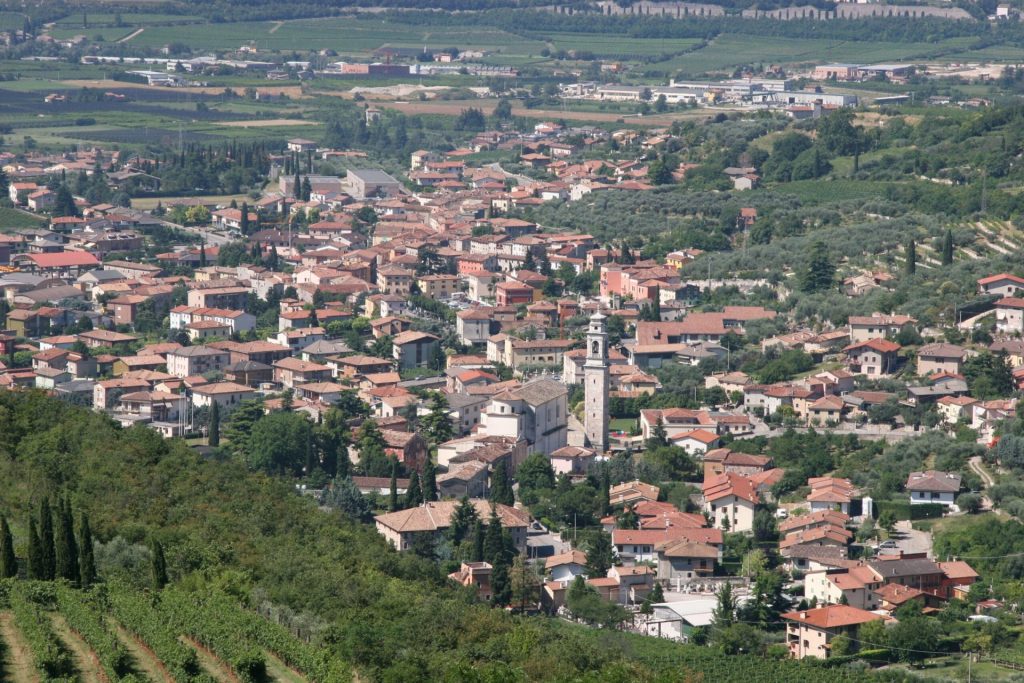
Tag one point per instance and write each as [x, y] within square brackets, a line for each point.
[51, 631]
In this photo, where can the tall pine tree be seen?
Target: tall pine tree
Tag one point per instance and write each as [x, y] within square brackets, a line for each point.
[8, 562]
[86, 559]
[819, 272]
[47, 552]
[910, 266]
[947, 248]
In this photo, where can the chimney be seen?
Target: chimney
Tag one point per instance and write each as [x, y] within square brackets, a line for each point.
[803, 615]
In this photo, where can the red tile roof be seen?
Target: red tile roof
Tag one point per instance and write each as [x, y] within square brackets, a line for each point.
[64, 259]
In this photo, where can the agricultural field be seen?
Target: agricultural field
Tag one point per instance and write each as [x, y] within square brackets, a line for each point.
[816, 192]
[50, 631]
[346, 36]
[612, 46]
[96, 19]
[11, 20]
[729, 51]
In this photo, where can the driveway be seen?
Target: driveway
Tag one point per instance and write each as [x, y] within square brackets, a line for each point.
[911, 540]
[545, 545]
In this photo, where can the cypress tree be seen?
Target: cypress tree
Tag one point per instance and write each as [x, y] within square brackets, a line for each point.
[8, 562]
[214, 433]
[911, 257]
[494, 542]
[158, 564]
[414, 496]
[393, 492]
[65, 548]
[72, 541]
[947, 248]
[245, 218]
[86, 560]
[47, 552]
[429, 481]
[202, 255]
[501, 487]
[478, 541]
[35, 554]
[501, 587]
[298, 186]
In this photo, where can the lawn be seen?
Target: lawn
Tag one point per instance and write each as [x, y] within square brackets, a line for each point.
[955, 669]
[13, 218]
[622, 424]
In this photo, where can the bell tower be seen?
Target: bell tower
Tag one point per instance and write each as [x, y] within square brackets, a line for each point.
[595, 379]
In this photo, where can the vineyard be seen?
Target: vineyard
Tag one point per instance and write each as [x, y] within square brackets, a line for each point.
[113, 633]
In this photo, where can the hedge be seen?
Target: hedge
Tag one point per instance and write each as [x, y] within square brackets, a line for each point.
[903, 510]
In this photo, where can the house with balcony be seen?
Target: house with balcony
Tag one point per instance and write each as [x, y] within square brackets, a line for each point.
[809, 633]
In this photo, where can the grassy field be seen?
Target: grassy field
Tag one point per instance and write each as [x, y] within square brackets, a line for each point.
[344, 35]
[12, 218]
[995, 53]
[728, 51]
[96, 19]
[605, 45]
[11, 20]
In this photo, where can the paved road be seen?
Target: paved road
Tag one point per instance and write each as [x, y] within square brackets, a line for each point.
[209, 236]
[521, 179]
[871, 432]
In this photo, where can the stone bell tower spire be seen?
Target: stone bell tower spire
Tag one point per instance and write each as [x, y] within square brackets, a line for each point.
[595, 378]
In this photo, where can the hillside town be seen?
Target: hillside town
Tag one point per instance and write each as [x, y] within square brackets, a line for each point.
[505, 362]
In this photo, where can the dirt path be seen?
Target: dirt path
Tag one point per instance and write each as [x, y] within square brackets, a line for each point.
[131, 35]
[88, 665]
[987, 480]
[282, 673]
[277, 25]
[144, 660]
[220, 671]
[17, 655]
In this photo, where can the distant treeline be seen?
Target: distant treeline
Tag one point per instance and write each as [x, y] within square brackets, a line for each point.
[887, 29]
[517, 15]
